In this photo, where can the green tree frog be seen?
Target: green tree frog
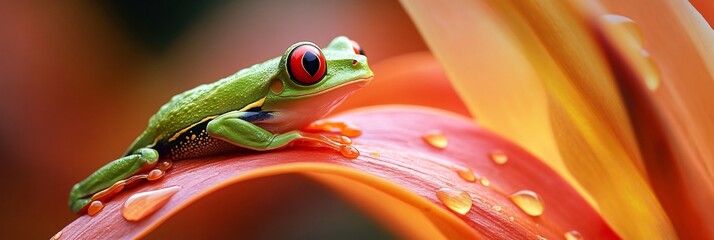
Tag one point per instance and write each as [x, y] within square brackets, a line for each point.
[259, 108]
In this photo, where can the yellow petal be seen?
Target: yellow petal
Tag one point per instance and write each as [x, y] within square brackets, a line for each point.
[490, 72]
[589, 120]
[675, 120]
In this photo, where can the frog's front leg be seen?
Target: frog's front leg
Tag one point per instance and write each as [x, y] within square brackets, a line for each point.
[231, 127]
[81, 194]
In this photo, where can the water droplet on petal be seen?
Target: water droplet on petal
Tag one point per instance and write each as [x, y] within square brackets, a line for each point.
[539, 237]
[497, 208]
[349, 151]
[155, 174]
[141, 205]
[529, 202]
[511, 218]
[627, 24]
[345, 140]
[57, 235]
[94, 208]
[649, 71]
[164, 165]
[375, 154]
[499, 157]
[573, 235]
[457, 201]
[435, 138]
[464, 172]
[643, 63]
[484, 181]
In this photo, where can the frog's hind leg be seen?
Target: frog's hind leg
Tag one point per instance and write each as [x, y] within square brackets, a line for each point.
[231, 127]
[105, 177]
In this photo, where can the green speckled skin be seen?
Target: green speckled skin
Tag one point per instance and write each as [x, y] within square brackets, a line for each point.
[220, 108]
[248, 86]
[231, 93]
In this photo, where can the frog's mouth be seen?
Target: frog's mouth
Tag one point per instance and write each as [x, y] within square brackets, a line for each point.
[360, 83]
[306, 108]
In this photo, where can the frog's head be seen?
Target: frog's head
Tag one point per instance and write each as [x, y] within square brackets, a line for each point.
[313, 81]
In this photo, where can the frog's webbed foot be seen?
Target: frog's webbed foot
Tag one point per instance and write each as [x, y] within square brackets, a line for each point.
[96, 201]
[341, 144]
[343, 128]
[113, 177]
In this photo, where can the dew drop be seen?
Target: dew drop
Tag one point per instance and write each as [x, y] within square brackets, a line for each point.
[141, 205]
[484, 181]
[436, 139]
[529, 202]
[497, 208]
[511, 218]
[57, 235]
[539, 237]
[155, 174]
[649, 72]
[498, 156]
[626, 24]
[375, 154]
[349, 151]
[94, 208]
[644, 64]
[345, 140]
[573, 235]
[464, 172]
[458, 201]
[165, 165]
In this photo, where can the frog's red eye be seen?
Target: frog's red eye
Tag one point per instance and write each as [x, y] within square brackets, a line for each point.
[357, 48]
[306, 64]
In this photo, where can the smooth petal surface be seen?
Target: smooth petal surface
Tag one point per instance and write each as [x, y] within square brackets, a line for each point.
[706, 8]
[662, 60]
[490, 73]
[589, 120]
[414, 79]
[396, 166]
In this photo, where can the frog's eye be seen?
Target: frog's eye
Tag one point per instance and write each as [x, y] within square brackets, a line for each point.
[306, 64]
[357, 48]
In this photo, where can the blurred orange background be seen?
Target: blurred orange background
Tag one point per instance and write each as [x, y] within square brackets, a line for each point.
[79, 80]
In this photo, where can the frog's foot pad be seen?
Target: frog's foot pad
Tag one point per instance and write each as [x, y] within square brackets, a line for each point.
[340, 143]
[343, 128]
[96, 201]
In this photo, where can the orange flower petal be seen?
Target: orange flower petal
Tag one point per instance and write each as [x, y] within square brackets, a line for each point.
[706, 8]
[415, 79]
[589, 120]
[673, 125]
[490, 72]
[406, 170]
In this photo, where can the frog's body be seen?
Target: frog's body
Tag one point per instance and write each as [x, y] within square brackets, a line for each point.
[259, 108]
[188, 113]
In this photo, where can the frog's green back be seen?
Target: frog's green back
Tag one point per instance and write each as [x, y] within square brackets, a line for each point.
[208, 100]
